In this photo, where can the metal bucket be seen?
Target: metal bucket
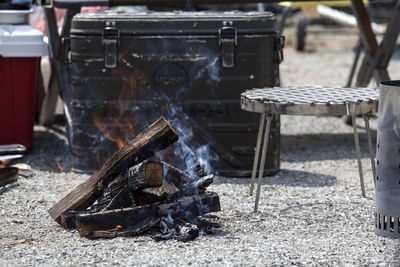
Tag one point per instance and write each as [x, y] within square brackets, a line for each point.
[387, 192]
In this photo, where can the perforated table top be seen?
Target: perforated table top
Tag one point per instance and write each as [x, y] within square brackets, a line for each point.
[311, 100]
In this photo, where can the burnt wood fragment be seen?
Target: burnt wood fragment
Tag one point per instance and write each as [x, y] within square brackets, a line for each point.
[196, 171]
[111, 190]
[139, 229]
[121, 219]
[198, 186]
[188, 232]
[68, 218]
[166, 189]
[157, 136]
[145, 174]
[121, 200]
[176, 176]
[204, 182]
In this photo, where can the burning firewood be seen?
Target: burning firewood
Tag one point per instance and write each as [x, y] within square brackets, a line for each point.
[196, 171]
[131, 195]
[137, 219]
[157, 136]
[145, 174]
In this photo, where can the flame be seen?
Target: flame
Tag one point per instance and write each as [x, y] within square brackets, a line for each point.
[59, 166]
[120, 143]
[118, 227]
[118, 125]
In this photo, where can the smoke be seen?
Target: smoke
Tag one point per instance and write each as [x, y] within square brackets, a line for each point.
[186, 149]
[198, 62]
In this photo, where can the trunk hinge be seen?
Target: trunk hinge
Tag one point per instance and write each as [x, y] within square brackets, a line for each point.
[228, 40]
[110, 43]
[279, 45]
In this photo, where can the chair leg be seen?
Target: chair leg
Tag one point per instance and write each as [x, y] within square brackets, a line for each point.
[257, 153]
[371, 152]
[262, 163]
[357, 143]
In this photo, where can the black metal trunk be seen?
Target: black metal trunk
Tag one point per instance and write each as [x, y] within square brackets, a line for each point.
[128, 69]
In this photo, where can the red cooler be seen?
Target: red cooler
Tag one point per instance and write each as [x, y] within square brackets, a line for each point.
[21, 47]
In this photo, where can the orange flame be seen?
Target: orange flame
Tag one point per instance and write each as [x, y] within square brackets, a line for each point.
[114, 229]
[117, 132]
[59, 166]
[119, 124]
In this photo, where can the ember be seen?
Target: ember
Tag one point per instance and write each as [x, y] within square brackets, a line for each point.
[131, 194]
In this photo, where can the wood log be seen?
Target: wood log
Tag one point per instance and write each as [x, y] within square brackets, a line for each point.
[116, 193]
[8, 175]
[111, 190]
[204, 182]
[145, 174]
[166, 190]
[122, 200]
[176, 176]
[124, 218]
[68, 219]
[157, 136]
[156, 194]
[139, 229]
[197, 186]
[130, 218]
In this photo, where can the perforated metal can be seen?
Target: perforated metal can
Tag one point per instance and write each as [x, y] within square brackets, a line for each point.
[387, 193]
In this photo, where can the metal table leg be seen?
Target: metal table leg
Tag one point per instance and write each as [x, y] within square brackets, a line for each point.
[371, 153]
[359, 48]
[262, 163]
[257, 153]
[357, 143]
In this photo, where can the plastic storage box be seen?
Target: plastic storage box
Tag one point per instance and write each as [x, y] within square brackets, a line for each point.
[21, 47]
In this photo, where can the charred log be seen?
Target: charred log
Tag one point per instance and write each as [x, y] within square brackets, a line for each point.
[139, 229]
[145, 174]
[110, 191]
[121, 200]
[155, 194]
[117, 220]
[131, 219]
[68, 219]
[176, 176]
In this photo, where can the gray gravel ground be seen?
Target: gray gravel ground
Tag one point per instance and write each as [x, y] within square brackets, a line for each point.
[311, 213]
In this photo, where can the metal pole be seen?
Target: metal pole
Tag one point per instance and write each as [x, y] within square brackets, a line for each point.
[359, 47]
[257, 153]
[262, 163]
[357, 143]
[371, 153]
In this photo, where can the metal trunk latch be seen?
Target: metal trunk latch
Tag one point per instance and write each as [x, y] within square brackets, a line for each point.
[228, 41]
[110, 43]
[279, 45]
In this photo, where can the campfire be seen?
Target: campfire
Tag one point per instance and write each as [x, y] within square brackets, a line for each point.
[132, 194]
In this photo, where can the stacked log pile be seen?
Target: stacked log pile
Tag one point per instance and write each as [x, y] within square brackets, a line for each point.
[131, 194]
